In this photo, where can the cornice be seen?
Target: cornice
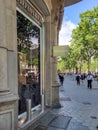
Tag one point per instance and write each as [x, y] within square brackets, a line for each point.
[41, 6]
[71, 2]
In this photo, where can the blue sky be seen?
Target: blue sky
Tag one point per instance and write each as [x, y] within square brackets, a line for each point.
[71, 19]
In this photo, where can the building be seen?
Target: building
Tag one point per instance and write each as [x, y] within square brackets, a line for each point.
[22, 22]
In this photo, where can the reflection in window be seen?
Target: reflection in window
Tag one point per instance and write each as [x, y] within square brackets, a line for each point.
[28, 37]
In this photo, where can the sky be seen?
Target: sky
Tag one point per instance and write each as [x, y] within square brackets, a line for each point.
[71, 19]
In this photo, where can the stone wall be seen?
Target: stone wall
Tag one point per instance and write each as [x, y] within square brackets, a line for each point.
[8, 66]
[48, 22]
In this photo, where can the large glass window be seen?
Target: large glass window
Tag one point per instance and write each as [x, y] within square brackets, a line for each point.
[28, 45]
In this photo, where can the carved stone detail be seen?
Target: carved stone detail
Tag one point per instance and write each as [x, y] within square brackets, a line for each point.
[2, 25]
[30, 9]
[3, 69]
[6, 120]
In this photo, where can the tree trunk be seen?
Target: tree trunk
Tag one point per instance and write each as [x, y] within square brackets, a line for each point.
[89, 63]
[76, 69]
[80, 68]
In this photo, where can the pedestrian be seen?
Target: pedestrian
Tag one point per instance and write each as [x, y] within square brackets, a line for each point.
[78, 78]
[89, 80]
[73, 76]
[61, 78]
[82, 78]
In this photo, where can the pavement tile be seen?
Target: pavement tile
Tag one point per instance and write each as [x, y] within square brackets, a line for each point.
[61, 122]
[74, 125]
[40, 128]
[54, 128]
[47, 118]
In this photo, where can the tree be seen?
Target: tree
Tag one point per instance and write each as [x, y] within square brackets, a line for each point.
[86, 35]
[26, 30]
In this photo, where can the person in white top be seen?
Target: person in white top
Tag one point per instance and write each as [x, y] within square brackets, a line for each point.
[89, 80]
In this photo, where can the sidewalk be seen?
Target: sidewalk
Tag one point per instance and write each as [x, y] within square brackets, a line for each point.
[79, 109]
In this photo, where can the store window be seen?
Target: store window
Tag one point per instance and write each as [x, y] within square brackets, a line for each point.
[28, 46]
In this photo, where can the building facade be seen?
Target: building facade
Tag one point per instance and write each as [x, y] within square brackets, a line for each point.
[28, 71]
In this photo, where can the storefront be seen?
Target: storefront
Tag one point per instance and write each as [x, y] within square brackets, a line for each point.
[30, 42]
[28, 70]
[22, 63]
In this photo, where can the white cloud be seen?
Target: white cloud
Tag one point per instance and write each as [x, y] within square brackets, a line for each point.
[66, 32]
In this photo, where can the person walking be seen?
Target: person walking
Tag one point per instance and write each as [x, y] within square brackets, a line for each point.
[61, 78]
[89, 80]
[82, 78]
[78, 78]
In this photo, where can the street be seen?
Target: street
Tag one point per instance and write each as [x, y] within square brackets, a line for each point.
[78, 111]
[80, 103]
[80, 93]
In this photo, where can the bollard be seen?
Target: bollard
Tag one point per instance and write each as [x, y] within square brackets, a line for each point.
[28, 106]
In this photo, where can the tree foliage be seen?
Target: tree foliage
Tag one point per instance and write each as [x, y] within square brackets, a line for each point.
[86, 35]
[26, 30]
[84, 43]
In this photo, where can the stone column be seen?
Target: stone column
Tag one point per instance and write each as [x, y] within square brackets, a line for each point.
[8, 66]
[3, 50]
[48, 54]
[51, 83]
[55, 85]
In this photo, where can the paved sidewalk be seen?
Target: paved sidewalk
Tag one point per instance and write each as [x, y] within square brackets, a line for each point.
[79, 109]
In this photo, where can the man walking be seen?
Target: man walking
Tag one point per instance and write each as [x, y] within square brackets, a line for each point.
[89, 80]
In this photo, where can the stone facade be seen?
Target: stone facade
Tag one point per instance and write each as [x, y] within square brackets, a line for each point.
[8, 66]
[48, 16]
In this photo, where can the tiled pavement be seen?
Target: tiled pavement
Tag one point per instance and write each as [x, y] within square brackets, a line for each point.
[79, 109]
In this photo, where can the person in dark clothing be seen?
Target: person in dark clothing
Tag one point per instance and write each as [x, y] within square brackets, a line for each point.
[78, 79]
[61, 78]
[82, 78]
